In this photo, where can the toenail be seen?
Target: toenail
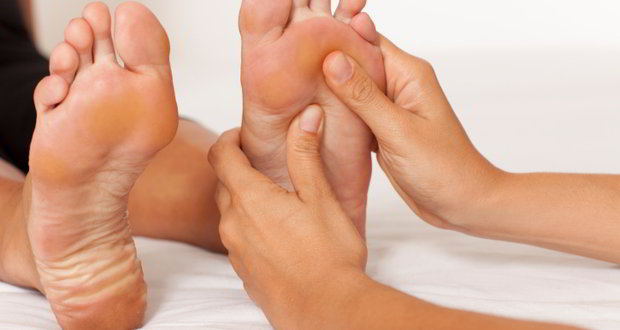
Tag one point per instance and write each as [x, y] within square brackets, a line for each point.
[340, 68]
[310, 120]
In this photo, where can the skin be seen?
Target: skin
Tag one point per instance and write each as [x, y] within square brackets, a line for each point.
[283, 243]
[26, 8]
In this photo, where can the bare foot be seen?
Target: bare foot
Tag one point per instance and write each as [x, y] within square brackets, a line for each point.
[98, 127]
[284, 45]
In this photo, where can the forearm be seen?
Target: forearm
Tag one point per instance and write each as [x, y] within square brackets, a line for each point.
[366, 304]
[573, 213]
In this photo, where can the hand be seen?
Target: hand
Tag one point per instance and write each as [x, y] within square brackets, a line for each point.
[422, 147]
[290, 249]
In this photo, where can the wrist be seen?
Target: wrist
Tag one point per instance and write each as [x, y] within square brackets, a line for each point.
[478, 215]
[466, 211]
[329, 302]
[341, 303]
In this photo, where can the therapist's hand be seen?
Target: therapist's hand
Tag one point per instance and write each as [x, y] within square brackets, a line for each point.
[291, 249]
[422, 146]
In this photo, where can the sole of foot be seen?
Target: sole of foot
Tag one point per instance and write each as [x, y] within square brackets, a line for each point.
[284, 45]
[99, 124]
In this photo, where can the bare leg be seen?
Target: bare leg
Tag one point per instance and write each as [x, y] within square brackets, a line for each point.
[173, 199]
[26, 7]
[16, 259]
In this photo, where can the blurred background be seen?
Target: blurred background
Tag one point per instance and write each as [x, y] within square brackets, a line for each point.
[535, 82]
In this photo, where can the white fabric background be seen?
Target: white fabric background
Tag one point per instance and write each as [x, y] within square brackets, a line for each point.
[536, 84]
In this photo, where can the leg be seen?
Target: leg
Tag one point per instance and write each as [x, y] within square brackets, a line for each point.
[173, 199]
[21, 68]
[16, 261]
[26, 9]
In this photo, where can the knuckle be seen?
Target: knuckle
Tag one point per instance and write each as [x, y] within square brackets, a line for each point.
[307, 146]
[213, 154]
[222, 198]
[228, 231]
[426, 64]
[364, 90]
[425, 68]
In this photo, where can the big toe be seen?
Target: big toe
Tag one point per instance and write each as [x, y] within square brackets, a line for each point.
[140, 39]
[261, 19]
[347, 9]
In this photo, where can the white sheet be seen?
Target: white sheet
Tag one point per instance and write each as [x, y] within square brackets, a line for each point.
[193, 289]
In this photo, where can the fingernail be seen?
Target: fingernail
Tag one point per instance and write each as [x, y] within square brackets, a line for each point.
[340, 68]
[310, 119]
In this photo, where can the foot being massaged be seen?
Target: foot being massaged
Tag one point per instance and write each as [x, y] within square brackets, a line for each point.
[86, 167]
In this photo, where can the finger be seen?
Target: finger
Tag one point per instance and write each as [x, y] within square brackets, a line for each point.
[231, 165]
[413, 82]
[359, 92]
[303, 154]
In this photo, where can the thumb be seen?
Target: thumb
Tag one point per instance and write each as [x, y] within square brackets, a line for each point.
[358, 92]
[305, 165]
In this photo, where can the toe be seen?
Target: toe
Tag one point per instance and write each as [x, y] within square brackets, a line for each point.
[365, 27]
[300, 3]
[141, 41]
[80, 36]
[50, 92]
[347, 9]
[321, 6]
[261, 19]
[64, 62]
[98, 16]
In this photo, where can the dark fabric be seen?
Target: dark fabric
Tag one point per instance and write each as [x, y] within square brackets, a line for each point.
[21, 68]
